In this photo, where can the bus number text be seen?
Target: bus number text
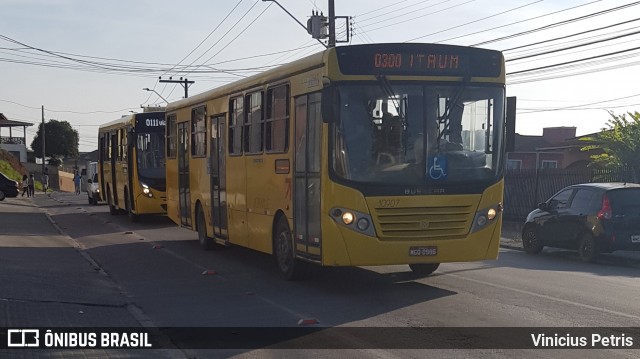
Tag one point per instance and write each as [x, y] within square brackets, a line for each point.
[388, 61]
[388, 203]
[154, 122]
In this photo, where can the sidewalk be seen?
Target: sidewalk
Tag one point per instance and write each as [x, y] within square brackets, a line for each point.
[47, 281]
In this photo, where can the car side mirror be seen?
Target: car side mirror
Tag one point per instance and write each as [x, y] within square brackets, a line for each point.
[543, 206]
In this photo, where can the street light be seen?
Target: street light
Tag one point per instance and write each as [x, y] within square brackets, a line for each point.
[154, 91]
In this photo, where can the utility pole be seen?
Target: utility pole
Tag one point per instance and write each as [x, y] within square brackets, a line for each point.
[332, 24]
[43, 143]
[184, 82]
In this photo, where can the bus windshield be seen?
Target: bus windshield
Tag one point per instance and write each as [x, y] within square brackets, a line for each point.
[150, 156]
[398, 133]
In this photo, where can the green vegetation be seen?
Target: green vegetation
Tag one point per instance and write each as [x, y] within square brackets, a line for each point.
[61, 141]
[13, 169]
[619, 144]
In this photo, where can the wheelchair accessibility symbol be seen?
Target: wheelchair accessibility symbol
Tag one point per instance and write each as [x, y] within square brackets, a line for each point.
[438, 168]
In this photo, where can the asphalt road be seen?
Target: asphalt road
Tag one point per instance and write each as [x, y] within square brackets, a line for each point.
[161, 270]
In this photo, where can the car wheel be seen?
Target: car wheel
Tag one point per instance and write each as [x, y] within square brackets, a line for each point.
[206, 242]
[2, 196]
[530, 241]
[94, 200]
[289, 266]
[424, 268]
[90, 200]
[588, 249]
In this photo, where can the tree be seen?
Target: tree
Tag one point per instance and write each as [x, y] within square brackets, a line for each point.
[620, 143]
[61, 141]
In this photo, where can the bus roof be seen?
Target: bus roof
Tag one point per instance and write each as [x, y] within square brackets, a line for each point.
[485, 58]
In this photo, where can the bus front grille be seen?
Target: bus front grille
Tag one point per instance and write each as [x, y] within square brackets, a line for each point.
[420, 223]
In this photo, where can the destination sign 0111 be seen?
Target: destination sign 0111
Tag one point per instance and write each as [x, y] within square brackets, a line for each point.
[418, 60]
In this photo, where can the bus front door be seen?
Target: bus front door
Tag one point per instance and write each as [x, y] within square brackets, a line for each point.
[218, 177]
[184, 191]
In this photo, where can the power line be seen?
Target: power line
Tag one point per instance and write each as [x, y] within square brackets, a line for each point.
[205, 39]
[568, 36]
[478, 20]
[418, 17]
[564, 22]
[570, 62]
[572, 47]
[515, 23]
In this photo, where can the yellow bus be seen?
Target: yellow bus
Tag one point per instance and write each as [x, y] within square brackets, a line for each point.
[131, 164]
[361, 155]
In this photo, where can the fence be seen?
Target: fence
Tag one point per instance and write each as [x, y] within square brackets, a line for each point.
[524, 189]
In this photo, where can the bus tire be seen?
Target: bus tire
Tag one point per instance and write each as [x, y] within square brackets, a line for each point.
[201, 225]
[112, 208]
[127, 205]
[424, 268]
[284, 253]
[2, 196]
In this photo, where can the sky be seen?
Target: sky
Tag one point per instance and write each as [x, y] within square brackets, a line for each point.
[569, 62]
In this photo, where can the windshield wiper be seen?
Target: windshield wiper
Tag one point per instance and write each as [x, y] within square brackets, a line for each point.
[388, 89]
[446, 116]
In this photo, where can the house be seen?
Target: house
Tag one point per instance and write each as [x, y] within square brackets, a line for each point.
[17, 146]
[558, 147]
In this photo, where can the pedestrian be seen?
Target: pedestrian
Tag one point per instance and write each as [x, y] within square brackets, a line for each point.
[76, 181]
[25, 185]
[32, 185]
[45, 182]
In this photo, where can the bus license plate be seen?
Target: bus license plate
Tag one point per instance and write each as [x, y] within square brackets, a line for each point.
[635, 238]
[423, 251]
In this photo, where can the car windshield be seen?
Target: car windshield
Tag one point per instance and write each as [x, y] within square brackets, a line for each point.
[401, 133]
[150, 156]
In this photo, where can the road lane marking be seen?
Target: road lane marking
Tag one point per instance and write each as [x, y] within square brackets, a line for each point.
[560, 300]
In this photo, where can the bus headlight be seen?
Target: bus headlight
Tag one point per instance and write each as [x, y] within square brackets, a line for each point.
[485, 217]
[146, 190]
[355, 221]
[347, 218]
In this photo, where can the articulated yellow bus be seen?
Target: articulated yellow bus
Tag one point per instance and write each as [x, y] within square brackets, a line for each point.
[131, 164]
[359, 155]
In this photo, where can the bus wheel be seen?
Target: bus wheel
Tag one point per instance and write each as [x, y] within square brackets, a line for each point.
[112, 208]
[424, 268]
[288, 265]
[206, 242]
[2, 195]
[127, 204]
